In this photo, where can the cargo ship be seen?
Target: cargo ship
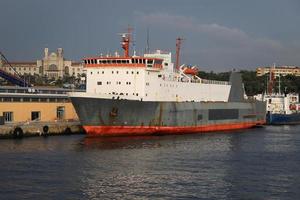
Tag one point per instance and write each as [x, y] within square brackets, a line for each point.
[128, 95]
[282, 108]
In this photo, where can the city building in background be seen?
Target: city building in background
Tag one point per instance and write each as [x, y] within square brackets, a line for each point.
[53, 65]
[279, 71]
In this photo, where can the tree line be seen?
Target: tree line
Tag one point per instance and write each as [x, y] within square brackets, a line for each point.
[257, 84]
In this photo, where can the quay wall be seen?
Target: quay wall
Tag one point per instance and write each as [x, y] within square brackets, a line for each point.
[46, 128]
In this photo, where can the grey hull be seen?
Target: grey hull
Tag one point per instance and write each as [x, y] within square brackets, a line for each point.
[113, 112]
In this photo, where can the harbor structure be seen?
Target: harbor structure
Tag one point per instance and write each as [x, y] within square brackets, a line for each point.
[35, 104]
[27, 111]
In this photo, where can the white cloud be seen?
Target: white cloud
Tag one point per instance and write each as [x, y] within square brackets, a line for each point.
[244, 49]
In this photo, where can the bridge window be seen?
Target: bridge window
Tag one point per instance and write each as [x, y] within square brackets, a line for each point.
[150, 62]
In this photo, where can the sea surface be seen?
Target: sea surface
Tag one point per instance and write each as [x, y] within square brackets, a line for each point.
[259, 163]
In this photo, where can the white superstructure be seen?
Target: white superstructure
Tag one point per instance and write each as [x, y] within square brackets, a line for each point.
[149, 78]
[280, 103]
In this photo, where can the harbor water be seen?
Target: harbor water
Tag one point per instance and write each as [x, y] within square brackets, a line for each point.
[258, 163]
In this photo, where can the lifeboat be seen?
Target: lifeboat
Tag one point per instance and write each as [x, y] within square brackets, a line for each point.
[190, 70]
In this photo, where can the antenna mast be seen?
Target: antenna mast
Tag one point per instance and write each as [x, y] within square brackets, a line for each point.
[271, 80]
[178, 46]
[126, 39]
[148, 47]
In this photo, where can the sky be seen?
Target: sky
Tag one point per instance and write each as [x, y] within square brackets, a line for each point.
[219, 35]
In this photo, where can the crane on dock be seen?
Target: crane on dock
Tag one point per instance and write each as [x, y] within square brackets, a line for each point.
[14, 78]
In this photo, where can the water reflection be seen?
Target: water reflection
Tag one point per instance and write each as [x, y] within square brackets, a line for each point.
[137, 142]
[156, 166]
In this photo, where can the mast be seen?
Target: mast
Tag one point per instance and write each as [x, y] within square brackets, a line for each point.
[279, 87]
[178, 46]
[148, 46]
[271, 80]
[126, 39]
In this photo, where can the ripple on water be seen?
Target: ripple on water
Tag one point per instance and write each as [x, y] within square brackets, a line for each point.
[248, 164]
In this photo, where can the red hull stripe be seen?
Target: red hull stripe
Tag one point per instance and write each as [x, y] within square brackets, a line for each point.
[164, 130]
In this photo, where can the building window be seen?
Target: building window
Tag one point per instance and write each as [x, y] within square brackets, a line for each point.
[60, 112]
[35, 115]
[8, 116]
[99, 82]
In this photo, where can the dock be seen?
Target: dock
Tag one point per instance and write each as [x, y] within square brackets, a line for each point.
[29, 129]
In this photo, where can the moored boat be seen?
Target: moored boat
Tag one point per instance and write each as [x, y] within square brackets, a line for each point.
[146, 95]
[282, 108]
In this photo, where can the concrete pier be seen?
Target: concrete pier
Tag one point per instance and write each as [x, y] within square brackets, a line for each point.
[27, 129]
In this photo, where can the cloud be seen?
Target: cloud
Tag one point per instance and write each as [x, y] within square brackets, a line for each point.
[189, 23]
[227, 46]
[215, 30]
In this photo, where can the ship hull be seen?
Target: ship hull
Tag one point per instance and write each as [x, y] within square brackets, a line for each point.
[112, 117]
[283, 119]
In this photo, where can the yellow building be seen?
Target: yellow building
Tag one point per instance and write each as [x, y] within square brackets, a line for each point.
[279, 71]
[27, 105]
